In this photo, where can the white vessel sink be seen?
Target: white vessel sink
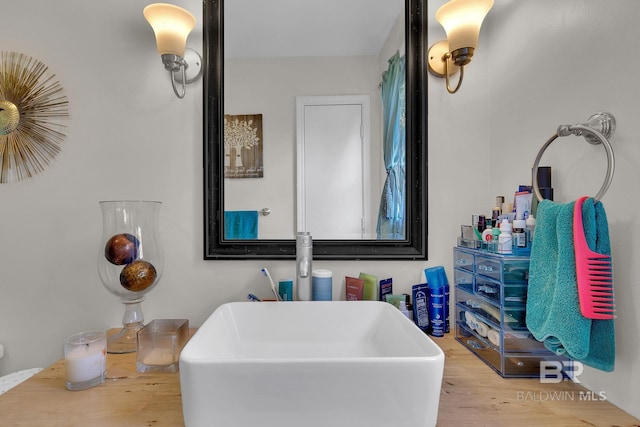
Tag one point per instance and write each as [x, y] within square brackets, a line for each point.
[311, 364]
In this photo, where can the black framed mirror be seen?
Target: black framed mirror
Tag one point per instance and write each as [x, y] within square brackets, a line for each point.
[414, 244]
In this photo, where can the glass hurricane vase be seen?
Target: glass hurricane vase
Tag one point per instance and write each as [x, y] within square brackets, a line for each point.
[130, 262]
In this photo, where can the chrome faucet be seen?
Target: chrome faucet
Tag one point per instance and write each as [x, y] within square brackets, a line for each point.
[304, 257]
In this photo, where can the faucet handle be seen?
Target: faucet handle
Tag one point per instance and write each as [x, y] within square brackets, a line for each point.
[303, 267]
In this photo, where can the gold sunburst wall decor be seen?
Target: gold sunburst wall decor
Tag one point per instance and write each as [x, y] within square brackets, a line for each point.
[32, 107]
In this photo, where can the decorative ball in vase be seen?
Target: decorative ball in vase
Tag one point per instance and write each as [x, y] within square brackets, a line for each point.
[130, 262]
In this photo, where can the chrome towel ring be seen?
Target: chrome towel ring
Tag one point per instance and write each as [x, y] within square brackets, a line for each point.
[598, 128]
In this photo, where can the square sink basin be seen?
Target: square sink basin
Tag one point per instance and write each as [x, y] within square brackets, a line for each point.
[312, 364]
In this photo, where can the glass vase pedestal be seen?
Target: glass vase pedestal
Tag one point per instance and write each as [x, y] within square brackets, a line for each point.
[130, 263]
[126, 340]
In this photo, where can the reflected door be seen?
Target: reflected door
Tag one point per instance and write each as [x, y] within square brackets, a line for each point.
[332, 167]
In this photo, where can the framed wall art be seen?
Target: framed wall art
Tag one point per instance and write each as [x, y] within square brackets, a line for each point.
[243, 146]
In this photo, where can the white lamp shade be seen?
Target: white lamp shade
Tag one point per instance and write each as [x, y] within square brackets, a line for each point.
[171, 25]
[462, 20]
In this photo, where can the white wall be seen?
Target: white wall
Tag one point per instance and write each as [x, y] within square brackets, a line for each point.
[541, 64]
[129, 137]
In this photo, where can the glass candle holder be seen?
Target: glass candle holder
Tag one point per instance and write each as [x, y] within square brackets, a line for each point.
[85, 356]
[160, 343]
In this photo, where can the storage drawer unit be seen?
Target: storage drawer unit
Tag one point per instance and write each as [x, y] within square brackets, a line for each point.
[509, 365]
[502, 268]
[501, 293]
[490, 312]
[464, 260]
[463, 277]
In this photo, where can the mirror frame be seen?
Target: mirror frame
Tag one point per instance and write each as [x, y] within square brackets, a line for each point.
[412, 248]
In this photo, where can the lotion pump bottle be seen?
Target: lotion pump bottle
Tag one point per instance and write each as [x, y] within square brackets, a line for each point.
[304, 256]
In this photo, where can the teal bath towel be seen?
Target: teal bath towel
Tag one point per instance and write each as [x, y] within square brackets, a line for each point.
[553, 309]
[241, 225]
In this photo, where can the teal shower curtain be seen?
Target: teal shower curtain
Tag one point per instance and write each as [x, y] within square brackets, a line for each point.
[391, 217]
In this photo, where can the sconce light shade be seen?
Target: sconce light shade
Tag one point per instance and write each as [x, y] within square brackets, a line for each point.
[462, 20]
[171, 25]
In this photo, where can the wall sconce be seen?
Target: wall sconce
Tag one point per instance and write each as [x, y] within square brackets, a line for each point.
[172, 25]
[461, 20]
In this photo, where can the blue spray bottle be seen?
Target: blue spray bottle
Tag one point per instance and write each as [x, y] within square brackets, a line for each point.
[438, 285]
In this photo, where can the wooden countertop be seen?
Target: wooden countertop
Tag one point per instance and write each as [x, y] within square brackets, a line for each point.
[472, 394]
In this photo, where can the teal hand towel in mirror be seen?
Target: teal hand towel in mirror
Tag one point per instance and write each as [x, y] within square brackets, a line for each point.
[242, 225]
[553, 308]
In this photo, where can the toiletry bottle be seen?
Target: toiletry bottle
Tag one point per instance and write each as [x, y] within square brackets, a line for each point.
[475, 221]
[482, 223]
[304, 255]
[420, 306]
[402, 305]
[447, 291]
[530, 224]
[519, 235]
[437, 313]
[495, 231]
[505, 240]
[487, 234]
[385, 288]
[544, 182]
[321, 285]
[495, 213]
[285, 289]
[438, 292]
[409, 307]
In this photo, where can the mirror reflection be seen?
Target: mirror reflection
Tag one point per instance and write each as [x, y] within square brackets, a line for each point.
[314, 119]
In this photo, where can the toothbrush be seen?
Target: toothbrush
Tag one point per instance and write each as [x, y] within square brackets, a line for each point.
[273, 286]
[252, 297]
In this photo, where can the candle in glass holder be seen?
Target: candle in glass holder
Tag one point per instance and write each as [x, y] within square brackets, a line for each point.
[160, 343]
[85, 356]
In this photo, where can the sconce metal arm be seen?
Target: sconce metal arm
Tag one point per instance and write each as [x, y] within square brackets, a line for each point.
[174, 63]
[445, 59]
[183, 82]
[177, 66]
